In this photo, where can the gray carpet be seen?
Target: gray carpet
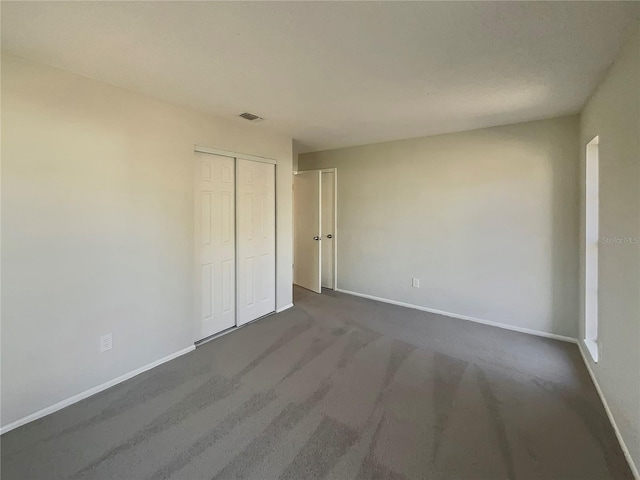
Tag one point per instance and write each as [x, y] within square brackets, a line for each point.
[338, 387]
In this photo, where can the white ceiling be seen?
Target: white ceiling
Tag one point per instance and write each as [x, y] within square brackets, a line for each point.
[333, 74]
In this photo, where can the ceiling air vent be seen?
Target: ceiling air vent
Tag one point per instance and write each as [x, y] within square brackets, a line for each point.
[251, 117]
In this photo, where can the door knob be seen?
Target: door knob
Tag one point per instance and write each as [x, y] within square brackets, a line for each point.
[329, 236]
[316, 238]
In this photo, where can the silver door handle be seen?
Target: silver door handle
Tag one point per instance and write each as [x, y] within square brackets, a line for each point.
[329, 236]
[316, 238]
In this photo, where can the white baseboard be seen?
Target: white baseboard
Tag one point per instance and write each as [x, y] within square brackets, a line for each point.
[463, 317]
[563, 338]
[623, 445]
[286, 307]
[92, 391]
[99, 388]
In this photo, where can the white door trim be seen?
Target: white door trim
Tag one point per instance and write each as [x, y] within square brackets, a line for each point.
[225, 153]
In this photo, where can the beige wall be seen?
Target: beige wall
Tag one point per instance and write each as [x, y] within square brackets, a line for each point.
[486, 219]
[613, 113]
[296, 153]
[97, 229]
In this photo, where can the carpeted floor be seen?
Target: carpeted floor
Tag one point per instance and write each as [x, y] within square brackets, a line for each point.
[338, 387]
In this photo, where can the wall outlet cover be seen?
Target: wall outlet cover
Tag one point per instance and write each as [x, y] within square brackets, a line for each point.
[106, 342]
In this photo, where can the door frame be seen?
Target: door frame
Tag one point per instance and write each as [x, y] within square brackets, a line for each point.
[333, 170]
[235, 155]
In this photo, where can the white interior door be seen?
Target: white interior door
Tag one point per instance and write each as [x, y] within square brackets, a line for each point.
[256, 240]
[307, 230]
[215, 243]
[328, 233]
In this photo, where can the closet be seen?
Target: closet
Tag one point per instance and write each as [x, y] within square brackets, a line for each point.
[234, 240]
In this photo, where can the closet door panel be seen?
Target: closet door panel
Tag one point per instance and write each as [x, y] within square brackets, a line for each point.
[256, 240]
[215, 244]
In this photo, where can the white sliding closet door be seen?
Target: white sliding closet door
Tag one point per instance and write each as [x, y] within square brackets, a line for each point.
[256, 240]
[215, 243]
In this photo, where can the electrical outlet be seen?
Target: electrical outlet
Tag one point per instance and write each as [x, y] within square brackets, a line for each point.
[106, 342]
[415, 282]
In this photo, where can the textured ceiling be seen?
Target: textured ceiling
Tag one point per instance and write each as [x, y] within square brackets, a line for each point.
[333, 74]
